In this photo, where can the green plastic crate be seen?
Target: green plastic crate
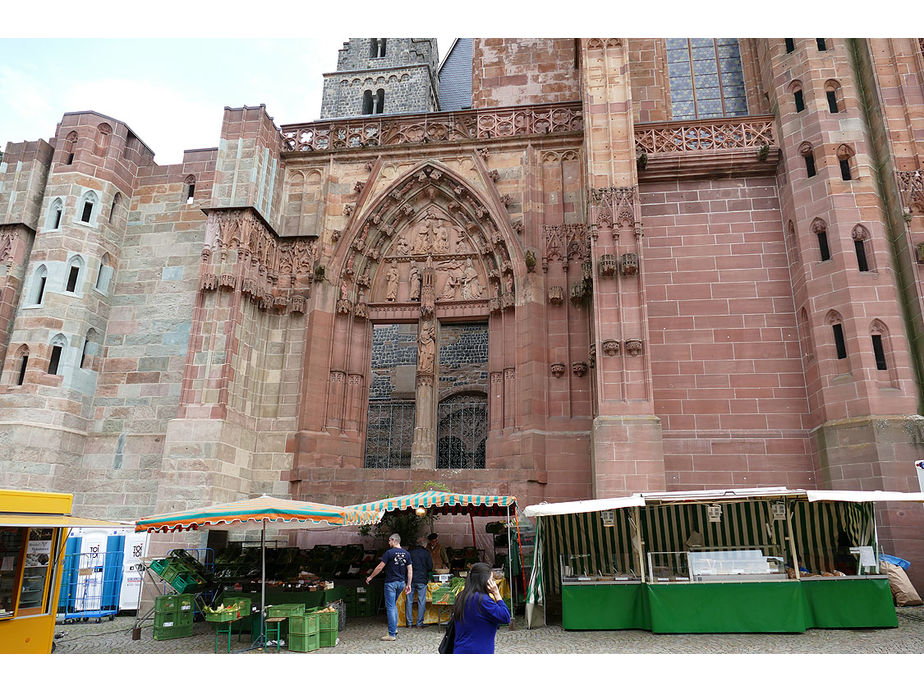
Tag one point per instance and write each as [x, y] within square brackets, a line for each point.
[308, 624]
[166, 604]
[328, 620]
[285, 610]
[172, 632]
[304, 643]
[186, 582]
[170, 572]
[328, 638]
[159, 565]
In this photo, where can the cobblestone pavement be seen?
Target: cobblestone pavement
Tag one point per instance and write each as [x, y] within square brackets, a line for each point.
[361, 636]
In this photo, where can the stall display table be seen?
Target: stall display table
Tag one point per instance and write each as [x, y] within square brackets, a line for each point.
[777, 606]
[436, 614]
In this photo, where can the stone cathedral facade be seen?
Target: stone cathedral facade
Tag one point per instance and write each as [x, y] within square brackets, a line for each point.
[553, 268]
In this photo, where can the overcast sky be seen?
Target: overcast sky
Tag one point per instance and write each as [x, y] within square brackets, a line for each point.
[171, 92]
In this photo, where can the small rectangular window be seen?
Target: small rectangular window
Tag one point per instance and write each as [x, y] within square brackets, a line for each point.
[22, 370]
[845, 170]
[190, 193]
[823, 245]
[800, 101]
[57, 224]
[70, 158]
[55, 360]
[879, 352]
[83, 354]
[832, 102]
[87, 212]
[822, 46]
[810, 165]
[839, 342]
[72, 279]
[860, 247]
[790, 45]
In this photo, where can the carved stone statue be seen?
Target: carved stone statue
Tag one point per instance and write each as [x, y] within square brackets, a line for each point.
[426, 347]
[402, 246]
[391, 277]
[471, 285]
[452, 282]
[508, 283]
[461, 244]
[414, 282]
[441, 244]
[422, 242]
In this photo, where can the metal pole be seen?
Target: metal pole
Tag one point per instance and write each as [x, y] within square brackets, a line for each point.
[263, 585]
[638, 534]
[510, 566]
[792, 541]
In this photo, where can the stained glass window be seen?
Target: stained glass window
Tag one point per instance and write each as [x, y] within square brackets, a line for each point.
[706, 79]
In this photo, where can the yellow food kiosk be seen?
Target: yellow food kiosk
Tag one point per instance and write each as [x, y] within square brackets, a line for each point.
[33, 530]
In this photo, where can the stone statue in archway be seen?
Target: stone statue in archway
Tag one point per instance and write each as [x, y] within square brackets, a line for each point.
[414, 283]
[453, 279]
[402, 246]
[471, 285]
[441, 243]
[426, 347]
[422, 240]
[391, 279]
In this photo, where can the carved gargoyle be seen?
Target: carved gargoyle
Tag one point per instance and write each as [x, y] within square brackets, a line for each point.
[579, 368]
[634, 347]
[558, 369]
[610, 347]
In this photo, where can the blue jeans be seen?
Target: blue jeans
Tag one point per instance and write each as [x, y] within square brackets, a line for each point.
[421, 591]
[391, 608]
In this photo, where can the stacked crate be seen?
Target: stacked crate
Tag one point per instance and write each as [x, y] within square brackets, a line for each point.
[328, 628]
[173, 616]
[304, 632]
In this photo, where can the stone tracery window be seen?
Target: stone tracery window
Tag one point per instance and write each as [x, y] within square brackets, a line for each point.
[392, 396]
[706, 78]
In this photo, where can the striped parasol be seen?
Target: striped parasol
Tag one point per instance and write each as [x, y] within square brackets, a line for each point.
[262, 509]
[442, 502]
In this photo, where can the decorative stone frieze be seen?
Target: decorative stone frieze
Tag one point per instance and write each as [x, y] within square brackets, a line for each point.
[607, 265]
[628, 264]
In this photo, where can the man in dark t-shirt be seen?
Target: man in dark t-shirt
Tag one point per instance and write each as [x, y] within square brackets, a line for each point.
[396, 562]
[422, 563]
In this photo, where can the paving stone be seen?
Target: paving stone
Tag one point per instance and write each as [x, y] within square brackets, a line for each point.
[361, 636]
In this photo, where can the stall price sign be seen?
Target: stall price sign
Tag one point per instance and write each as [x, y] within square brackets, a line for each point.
[38, 550]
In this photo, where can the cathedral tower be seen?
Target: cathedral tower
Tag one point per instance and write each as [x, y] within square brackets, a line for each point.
[382, 76]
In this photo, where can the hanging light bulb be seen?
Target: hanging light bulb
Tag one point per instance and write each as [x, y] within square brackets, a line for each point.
[420, 512]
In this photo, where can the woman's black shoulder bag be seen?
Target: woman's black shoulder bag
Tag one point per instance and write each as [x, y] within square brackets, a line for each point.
[448, 643]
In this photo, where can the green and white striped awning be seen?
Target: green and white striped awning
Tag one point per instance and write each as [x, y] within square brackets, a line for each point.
[442, 502]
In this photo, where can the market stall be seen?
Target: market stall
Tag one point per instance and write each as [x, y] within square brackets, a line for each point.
[736, 560]
[258, 511]
[449, 503]
[33, 533]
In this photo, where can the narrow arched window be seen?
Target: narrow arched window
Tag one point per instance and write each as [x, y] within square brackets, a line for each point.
[790, 45]
[58, 343]
[189, 189]
[87, 207]
[38, 285]
[862, 248]
[55, 212]
[821, 233]
[797, 95]
[822, 44]
[103, 135]
[377, 48]
[22, 355]
[380, 101]
[90, 350]
[367, 102]
[74, 272]
[844, 156]
[883, 355]
[833, 94]
[808, 156]
[805, 336]
[840, 344]
[105, 274]
[116, 201]
[70, 142]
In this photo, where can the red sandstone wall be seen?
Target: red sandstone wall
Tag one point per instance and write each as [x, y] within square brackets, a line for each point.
[518, 72]
[650, 87]
[726, 367]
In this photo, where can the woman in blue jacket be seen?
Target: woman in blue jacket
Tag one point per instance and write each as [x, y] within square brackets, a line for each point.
[478, 610]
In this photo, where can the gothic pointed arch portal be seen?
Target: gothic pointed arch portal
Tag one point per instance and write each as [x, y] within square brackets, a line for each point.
[427, 251]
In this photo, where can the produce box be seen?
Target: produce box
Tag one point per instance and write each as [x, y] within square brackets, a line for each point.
[172, 632]
[285, 610]
[328, 619]
[166, 604]
[159, 565]
[328, 638]
[304, 643]
[170, 571]
[223, 614]
[308, 624]
[186, 582]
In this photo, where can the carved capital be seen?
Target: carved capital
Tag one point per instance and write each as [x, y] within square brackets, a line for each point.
[579, 368]
[610, 347]
[557, 369]
[634, 347]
